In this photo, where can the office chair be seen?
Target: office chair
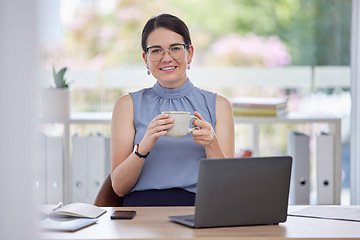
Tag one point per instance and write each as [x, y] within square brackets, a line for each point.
[106, 196]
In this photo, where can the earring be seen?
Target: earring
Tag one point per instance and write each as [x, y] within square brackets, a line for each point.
[148, 72]
[188, 67]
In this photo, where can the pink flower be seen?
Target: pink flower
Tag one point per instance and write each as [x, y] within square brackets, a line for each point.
[251, 50]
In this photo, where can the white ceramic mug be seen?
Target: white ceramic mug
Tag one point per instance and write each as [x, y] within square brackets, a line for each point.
[181, 124]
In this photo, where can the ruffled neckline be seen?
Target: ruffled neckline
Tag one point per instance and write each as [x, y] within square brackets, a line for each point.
[179, 92]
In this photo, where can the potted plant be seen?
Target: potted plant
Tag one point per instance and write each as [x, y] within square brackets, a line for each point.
[56, 100]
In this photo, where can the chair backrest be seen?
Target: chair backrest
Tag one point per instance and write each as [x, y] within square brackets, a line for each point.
[106, 196]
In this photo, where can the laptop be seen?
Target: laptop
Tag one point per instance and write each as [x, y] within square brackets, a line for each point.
[240, 191]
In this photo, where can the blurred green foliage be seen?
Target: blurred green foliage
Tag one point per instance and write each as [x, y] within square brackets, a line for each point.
[315, 32]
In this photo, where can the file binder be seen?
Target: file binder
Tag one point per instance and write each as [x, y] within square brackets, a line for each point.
[40, 183]
[298, 148]
[54, 164]
[325, 169]
[96, 165]
[79, 169]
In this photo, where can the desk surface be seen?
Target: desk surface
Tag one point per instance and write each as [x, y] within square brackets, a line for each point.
[153, 223]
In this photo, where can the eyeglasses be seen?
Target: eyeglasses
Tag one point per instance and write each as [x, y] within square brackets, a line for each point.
[176, 51]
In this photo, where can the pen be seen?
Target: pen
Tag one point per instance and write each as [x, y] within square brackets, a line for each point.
[59, 205]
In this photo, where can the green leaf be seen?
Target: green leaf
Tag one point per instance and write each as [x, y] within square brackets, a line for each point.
[60, 81]
[61, 73]
[54, 72]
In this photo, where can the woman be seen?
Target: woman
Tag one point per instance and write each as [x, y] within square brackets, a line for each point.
[147, 167]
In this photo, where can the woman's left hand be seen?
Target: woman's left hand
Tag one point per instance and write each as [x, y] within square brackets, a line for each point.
[205, 133]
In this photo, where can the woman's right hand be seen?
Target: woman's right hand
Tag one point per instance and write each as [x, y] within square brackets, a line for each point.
[156, 128]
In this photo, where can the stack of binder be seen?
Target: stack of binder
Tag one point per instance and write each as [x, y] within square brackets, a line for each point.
[90, 166]
[298, 148]
[49, 187]
[258, 106]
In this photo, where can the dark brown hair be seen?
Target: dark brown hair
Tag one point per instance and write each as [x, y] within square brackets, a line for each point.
[169, 22]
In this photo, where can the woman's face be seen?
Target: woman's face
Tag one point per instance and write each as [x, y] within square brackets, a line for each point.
[170, 72]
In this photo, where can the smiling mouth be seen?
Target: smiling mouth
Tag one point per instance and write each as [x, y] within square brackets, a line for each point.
[167, 68]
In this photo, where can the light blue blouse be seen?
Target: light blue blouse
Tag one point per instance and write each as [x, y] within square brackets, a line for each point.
[173, 162]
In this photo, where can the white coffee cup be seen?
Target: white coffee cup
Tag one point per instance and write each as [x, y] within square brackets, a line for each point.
[181, 124]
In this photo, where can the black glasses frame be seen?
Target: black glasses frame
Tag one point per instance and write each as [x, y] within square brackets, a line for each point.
[172, 45]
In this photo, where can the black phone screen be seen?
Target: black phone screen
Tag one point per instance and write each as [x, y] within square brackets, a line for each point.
[123, 214]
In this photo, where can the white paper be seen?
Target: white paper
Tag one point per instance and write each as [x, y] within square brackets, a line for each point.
[329, 212]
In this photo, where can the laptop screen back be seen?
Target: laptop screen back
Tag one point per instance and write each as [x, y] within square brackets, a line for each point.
[242, 191]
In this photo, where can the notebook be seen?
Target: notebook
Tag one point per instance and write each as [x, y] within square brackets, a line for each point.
[66, 224]
[80, 210]
[240, 191]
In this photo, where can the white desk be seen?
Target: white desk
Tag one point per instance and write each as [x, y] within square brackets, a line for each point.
[153, 223]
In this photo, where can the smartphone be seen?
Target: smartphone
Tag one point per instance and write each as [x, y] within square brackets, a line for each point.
[123, 214]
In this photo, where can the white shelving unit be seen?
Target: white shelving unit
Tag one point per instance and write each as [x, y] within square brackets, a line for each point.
[75, 118]
[334, 128]
[334, 124]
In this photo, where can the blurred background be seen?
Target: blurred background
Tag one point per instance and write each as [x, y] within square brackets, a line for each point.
[298, 49]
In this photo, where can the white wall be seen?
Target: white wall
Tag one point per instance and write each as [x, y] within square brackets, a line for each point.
[355, 112]
[17, 84]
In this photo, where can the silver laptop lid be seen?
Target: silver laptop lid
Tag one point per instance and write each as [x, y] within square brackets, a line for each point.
[242, 191]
